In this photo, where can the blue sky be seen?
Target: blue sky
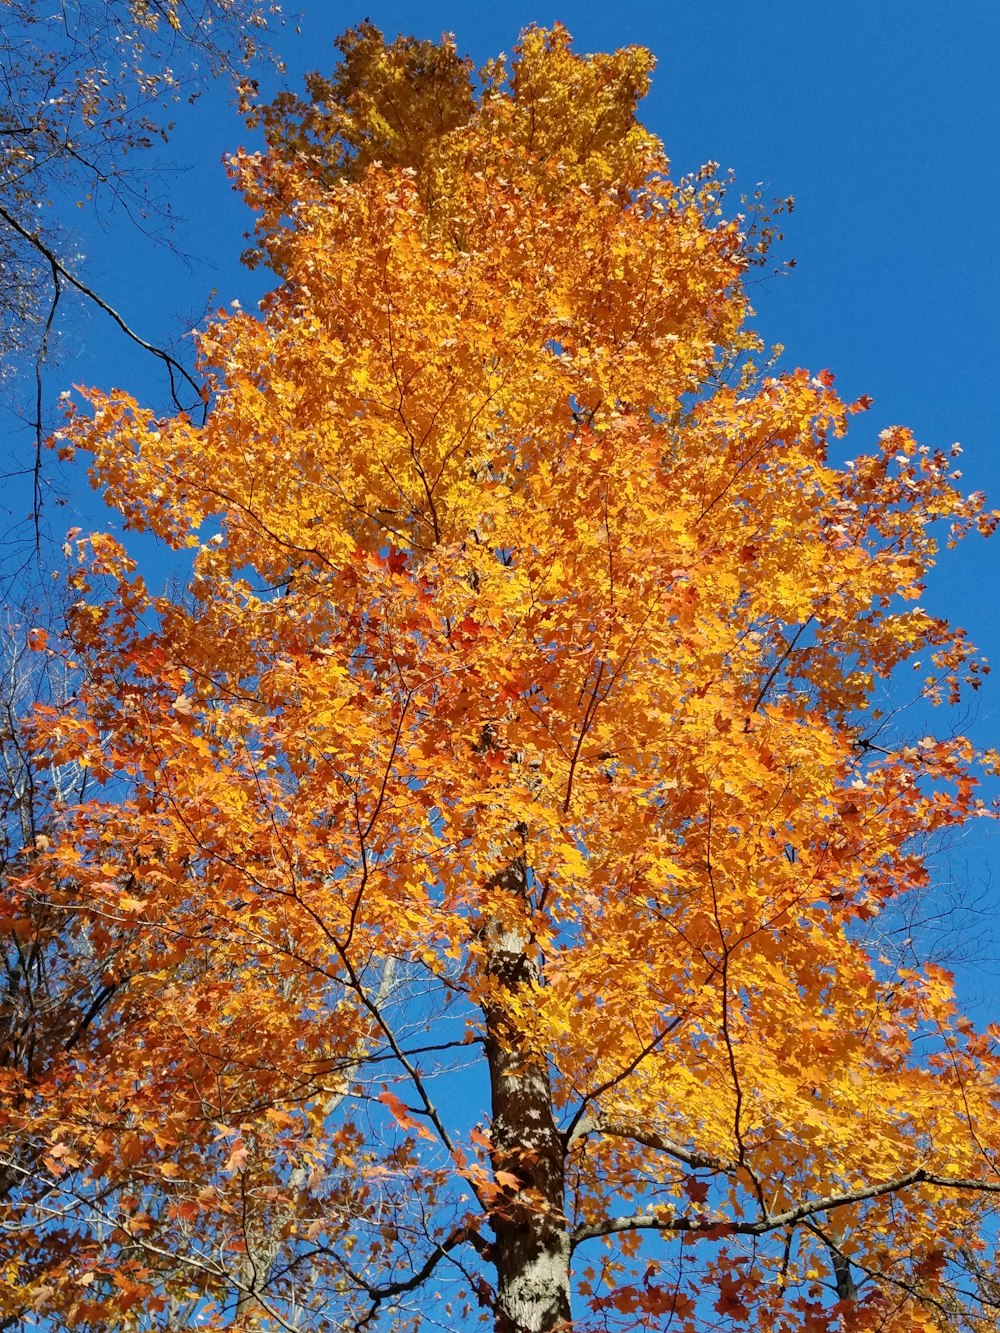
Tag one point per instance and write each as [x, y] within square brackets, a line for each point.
[880, 117]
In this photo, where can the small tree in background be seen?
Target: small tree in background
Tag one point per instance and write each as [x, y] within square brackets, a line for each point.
[87, 89]
[482, 846]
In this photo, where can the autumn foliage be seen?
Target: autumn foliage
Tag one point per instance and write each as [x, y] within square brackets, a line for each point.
[484, 853]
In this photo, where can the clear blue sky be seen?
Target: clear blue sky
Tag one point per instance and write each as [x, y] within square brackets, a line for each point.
[881, 117]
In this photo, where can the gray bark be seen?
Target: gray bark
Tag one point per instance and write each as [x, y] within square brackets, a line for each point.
[532, 1246]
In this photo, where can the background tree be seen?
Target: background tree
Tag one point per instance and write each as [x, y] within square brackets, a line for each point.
[86, 92]
[484, 842]
[87, 88]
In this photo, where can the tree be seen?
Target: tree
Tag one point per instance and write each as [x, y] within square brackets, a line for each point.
[485, 846]
[86, 90]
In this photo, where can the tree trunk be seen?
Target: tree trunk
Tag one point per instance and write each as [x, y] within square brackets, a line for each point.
[532, 1247]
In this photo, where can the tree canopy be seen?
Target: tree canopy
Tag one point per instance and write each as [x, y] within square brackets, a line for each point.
[481, 858]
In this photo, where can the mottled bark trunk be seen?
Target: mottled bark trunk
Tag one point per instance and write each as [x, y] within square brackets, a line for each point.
[532, 1248]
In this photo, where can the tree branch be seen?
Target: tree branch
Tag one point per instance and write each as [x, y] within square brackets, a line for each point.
[620, 1129]
[658, 1221]
[174, 368]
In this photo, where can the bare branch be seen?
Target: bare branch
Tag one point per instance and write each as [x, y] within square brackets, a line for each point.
[175, 370]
